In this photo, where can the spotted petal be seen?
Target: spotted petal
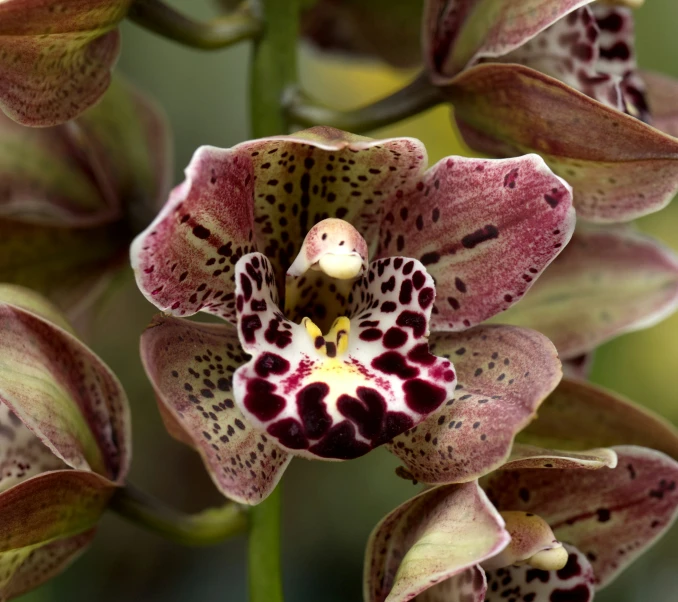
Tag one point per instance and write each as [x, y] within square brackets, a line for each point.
[574, 582]
[191, 366]
[265, 194]
[366, 381]
[61, 391]
[606, 282]
[459, 34]
[56, 56]
[504, 374]
[662, 92]
[579, 416]
[484, 229]
[619, 167]
[39, 564]
[433, 537]
[467, 586]
[610, 515]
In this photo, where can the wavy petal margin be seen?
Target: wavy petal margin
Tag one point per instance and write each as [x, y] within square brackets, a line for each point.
[605, 283]
[504, 373]
[610, 515]
[56, 56]
[619, 167]
[430, 538]
[191, 367]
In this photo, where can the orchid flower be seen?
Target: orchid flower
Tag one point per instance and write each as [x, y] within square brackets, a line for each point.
[331, 257]
[559, 78]
[64, 441]
[56, 62]
[72, 196]
[550, 525]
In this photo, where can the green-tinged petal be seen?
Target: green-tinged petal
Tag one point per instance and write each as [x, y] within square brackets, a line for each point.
[530, 456]
[265, 195]
[468, 586]
[504, 373]
[573, 583]
[460, 33]
[35, 303]
[662, 92]
[619, 167]
[27, 568]
[605, 283]
[432, 537]
[610, 515]
[191, 367]
[63, 393]
[50, 506]
[56, 57]
[578, 416]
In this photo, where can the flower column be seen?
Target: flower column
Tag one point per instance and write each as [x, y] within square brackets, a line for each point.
[273, 71]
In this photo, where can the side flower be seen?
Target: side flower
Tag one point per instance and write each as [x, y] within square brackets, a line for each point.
[550, 525]
[271, 236]
[64, 441]
[73, 196]
[560, 79]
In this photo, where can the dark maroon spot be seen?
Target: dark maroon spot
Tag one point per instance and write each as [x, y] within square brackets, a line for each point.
[453, 303]
[258, 305]
[510, 178]
[523, 492]
[407, 269]
[395, 424]
[313, 410]
[246, 286]
[426, 297]
[270, 363]
[418, 279]
[603, 515]
[421, 355]
[620, 51]
[415, 320]
[423, 397]
[261, 400]
[394, 338]
[571, 569]
[249, 326]
[393, 362]
[472, 240]
[331, 349]
[580, 593]
[429, 258]
[460, 284]
[340, 443]
[554, 198]
[289, 433]
[371, 334]
[388, 307]
[201, 232]
[389, 285]
[319, 342]
[405, 292]
[533, 574]
[367, 412]
[583, 51]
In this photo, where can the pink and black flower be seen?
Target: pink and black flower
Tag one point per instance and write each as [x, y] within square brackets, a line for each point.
[331, 257]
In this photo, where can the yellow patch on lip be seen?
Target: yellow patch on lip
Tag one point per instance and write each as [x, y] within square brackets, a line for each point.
[335, 342]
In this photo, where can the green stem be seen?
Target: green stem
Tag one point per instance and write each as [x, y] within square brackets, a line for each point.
[414, 98]
[218, 33]
[265, 579]
[203, 529]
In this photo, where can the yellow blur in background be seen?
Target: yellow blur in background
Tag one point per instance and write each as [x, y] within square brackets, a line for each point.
[329, 508]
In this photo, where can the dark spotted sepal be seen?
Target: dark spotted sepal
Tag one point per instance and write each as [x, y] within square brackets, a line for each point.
[339, 395]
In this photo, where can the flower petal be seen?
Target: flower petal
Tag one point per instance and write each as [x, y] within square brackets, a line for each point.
[661, 96]
[63, 393]
[50, 506]
[40, 563]
[369, 379]
[530, 456]
[467, 586]
[504, 374]
[190, 366]
[578, 416]
[574, 582]
[484, 229]
[264, 194]
[511, 109]
[605, 283]
[56, 61]
[462, 33]
[611, 515]
[432, 537]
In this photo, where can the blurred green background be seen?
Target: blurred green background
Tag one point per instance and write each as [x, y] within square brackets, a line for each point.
[329, 509]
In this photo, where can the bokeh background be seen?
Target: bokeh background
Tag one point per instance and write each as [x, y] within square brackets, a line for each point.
[329, 509]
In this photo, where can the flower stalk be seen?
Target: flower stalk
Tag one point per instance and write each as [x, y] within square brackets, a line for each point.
[413, 99]
[217, 33]
[204, 528]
